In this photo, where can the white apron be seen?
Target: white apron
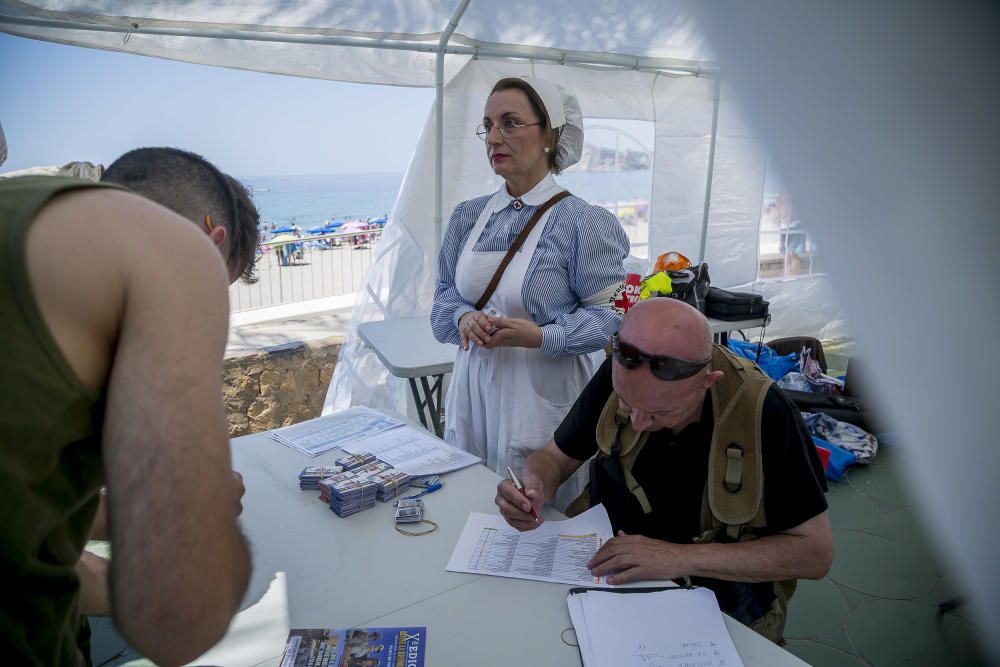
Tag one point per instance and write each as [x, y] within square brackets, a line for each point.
[502, 404]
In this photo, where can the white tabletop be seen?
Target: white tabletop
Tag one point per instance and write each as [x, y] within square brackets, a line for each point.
[408, 349]
[358, 571]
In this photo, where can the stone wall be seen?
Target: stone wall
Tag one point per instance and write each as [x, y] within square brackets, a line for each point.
[277, 386]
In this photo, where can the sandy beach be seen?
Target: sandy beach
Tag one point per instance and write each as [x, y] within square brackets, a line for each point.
[319, 273]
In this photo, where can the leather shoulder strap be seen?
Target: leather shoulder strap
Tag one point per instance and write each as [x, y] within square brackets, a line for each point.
[516, 245]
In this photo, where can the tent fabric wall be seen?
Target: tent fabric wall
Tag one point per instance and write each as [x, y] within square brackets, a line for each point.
[683, 112]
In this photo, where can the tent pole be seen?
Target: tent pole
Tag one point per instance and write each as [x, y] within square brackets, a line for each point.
[711, 170]
[439, 124]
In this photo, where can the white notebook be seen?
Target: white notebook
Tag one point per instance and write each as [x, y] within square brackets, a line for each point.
[665, 628]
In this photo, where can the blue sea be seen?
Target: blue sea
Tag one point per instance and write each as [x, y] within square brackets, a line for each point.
[309, 201]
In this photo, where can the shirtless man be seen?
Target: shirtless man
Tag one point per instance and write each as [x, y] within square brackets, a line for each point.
[115, 320]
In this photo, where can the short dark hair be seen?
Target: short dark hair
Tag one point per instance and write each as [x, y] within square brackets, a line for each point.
[551, 134]
[191, 186]
[246, 233]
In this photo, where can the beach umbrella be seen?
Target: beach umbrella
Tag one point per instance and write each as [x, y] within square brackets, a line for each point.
[283, 230]
[332, 226]
[354, 226]
[318, 230]
[377, 222]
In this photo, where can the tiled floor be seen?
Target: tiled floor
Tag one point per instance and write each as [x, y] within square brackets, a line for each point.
[879, 604]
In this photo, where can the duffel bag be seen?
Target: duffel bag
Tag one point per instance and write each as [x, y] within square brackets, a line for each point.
[731, 306]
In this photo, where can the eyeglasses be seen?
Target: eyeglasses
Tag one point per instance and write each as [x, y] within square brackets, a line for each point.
[663, 367]
[508, 128]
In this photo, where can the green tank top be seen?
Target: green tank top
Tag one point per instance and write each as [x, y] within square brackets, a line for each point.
[51, 469]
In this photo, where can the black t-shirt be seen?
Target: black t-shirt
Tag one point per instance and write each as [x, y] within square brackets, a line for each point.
[672, 467]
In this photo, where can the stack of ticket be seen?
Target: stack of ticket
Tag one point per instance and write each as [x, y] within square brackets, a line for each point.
[350, 496]
[310, 476]
[356, 460]
[409, 510]
[369, 469]
[389, 484]
[325, 484]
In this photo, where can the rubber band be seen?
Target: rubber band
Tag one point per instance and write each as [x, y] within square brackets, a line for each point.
[433, 527]
[562, 636]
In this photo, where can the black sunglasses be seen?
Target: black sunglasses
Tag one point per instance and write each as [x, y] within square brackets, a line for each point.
[663, 367]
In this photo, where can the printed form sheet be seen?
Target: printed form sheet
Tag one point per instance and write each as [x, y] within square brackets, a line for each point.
[339, 429]
[414, 451]
[556, 551]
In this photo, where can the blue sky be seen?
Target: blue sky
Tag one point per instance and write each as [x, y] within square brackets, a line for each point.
[63, 103]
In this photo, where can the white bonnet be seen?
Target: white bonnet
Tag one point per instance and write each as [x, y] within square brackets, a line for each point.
[563, 111]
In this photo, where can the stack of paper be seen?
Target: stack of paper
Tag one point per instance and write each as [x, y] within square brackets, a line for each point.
[414, 451]
[668, 628]
[322, 434]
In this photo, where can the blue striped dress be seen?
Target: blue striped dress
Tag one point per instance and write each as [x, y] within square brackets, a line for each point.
[580, 253]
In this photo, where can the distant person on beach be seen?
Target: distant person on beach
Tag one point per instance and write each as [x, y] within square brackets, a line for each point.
[524, 353]
[115, 321]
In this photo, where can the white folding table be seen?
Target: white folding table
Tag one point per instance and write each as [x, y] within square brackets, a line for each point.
[358, 571]
[409, 350]
[721, 328]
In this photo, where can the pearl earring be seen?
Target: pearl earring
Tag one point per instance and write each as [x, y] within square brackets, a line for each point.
[546, 149]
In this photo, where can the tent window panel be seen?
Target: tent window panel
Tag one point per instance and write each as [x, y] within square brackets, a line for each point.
[616, 171]
[786, 250]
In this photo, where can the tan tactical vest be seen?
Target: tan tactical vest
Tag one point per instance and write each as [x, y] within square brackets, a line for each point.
[733, 499]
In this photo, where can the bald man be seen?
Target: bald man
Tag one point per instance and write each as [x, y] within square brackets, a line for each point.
[661, 374]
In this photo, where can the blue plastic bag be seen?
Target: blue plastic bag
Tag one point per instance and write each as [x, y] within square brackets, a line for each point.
[840, 459]
[775, 365]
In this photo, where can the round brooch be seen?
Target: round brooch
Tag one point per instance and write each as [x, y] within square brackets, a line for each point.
[518, 204]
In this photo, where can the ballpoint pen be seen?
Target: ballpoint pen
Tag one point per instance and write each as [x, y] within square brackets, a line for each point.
[430, 489]
[520, 487]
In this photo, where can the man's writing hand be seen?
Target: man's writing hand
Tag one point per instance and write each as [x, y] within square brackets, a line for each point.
[515, 508]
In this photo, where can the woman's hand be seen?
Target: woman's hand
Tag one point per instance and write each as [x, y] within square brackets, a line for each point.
[514, 332]
[475, 326]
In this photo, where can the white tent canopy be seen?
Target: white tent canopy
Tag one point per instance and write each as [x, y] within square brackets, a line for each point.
[328, 40]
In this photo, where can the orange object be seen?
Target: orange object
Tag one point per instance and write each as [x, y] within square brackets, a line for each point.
[671, 261]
